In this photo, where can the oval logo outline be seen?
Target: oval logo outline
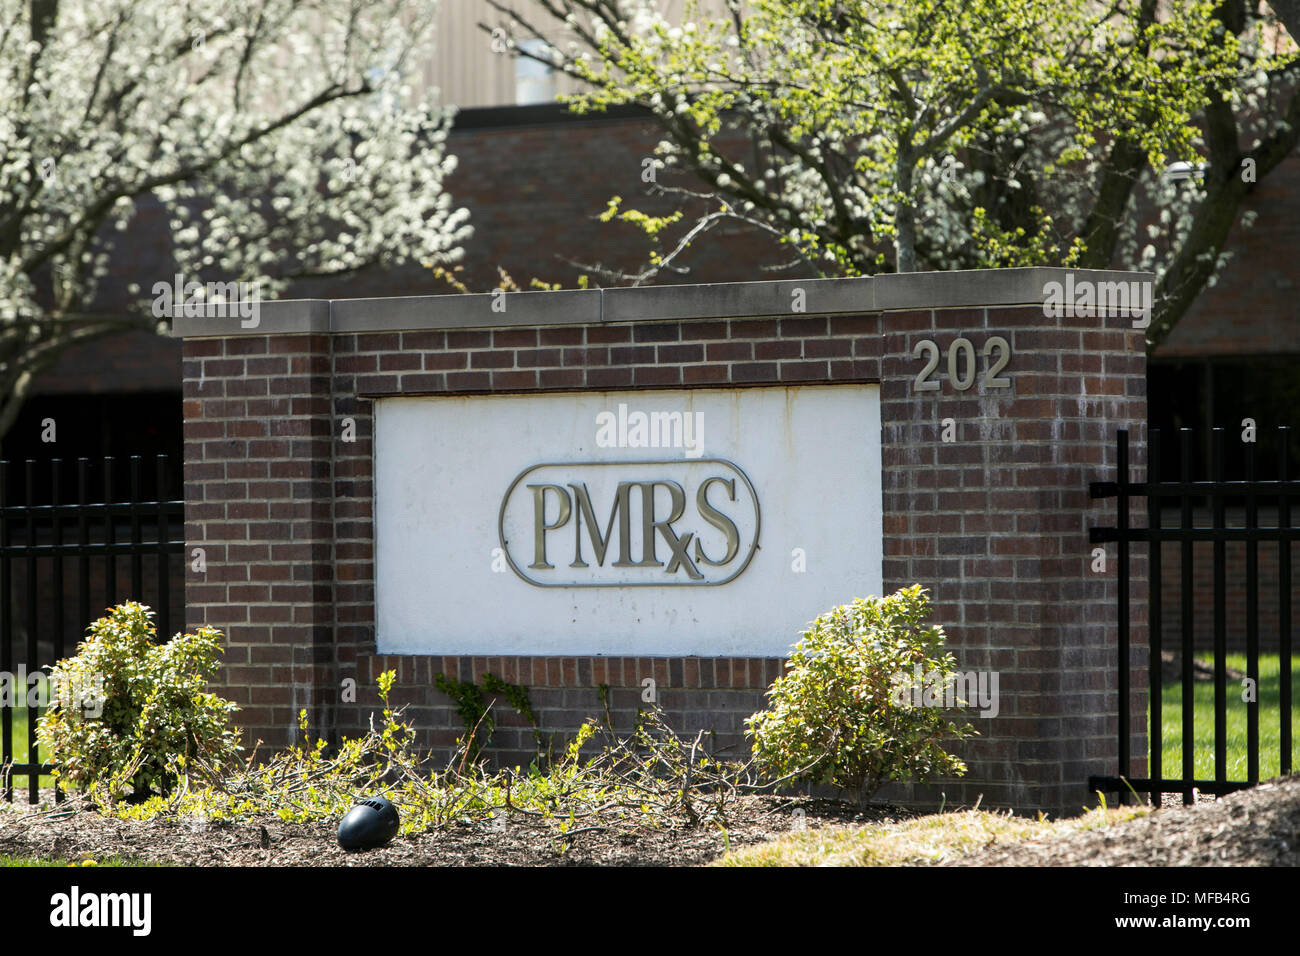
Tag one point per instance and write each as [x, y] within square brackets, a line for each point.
[505, 500]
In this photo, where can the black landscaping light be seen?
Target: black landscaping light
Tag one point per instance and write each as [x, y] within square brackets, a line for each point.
[371, 823]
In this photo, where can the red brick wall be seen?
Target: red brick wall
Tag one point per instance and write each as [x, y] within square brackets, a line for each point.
[1253, 309]
[996, 525]
[534, 194]
[258, 501]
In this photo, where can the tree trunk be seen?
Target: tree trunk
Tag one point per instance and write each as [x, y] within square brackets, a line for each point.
[905, 220]
[11, 403]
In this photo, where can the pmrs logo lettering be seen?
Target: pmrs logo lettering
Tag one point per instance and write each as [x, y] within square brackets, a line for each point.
[629, 524]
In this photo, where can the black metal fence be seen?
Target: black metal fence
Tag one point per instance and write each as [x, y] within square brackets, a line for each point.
[71, 533]
[1185, 491]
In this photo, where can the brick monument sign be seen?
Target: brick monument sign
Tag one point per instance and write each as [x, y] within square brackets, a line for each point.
[618, 495]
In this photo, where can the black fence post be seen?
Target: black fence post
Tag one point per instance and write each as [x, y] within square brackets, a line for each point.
[1284, 598]
[1155, 663]
[1220, 615]
[6, 633]
[1187, 615]
[33, 780]
[1122, 513]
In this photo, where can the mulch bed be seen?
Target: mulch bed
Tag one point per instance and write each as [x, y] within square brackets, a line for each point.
[189, 842]
[1257, 827]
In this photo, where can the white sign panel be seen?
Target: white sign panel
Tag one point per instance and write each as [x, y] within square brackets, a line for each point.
[712, 522]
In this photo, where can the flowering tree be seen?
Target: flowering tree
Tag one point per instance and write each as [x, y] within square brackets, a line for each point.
[874, 135]
[277, 135]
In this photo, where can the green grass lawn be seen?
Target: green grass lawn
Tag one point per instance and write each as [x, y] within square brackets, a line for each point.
[9, 861]
[1203, 710]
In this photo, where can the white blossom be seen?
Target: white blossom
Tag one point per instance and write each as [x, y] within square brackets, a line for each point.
[287, 150]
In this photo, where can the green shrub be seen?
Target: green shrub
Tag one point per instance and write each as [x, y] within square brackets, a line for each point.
[842, 713]
[154, 713]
